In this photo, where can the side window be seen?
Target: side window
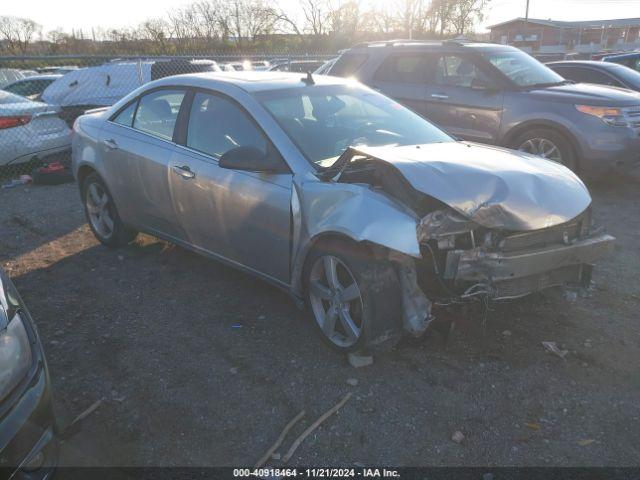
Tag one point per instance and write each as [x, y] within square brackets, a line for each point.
[458, 71]
[125, 117]
[403, 69]
[348, 64]
[216, 125]
[157, 113]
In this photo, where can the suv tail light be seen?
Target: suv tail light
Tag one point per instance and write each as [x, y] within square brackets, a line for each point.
[11, 122]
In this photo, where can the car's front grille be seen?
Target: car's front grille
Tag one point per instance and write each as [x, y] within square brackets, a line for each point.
[632, 114]
[520, 286]
[560, 234]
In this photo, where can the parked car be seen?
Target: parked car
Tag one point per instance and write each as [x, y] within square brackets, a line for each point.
[335, 193]
[631, 60]
[601, 73]
[325, 67]
[60, 70]
[30, 130]
[500, 95]
[103, 85]
[31, 87]
[298, 66]
[28, 443]
[236, 66]
[9, 75]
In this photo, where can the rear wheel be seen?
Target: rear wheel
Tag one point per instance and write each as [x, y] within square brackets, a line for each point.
[354, 298]
[102, 214]
[548, 144]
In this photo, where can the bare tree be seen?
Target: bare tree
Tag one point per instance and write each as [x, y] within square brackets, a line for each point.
[467, 12]
[316, 14]
[17, 33]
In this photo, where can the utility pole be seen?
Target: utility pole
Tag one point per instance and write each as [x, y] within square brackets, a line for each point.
[526, 13]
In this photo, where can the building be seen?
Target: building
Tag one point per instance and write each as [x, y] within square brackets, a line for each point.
[557, 37]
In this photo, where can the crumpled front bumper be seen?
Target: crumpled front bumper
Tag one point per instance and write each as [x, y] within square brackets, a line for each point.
[515, 274]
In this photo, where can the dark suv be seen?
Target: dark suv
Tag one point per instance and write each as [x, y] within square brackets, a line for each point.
[500, 95]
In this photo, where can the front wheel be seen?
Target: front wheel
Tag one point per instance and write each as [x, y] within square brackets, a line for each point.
[548, 144]
[102, 214]
[354, 298]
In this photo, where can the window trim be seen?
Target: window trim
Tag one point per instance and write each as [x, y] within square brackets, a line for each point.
[182, 126]
[137, 99]
[478, 62]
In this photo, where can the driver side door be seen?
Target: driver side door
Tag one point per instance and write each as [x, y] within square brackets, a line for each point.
[243, 217]
[461, 99]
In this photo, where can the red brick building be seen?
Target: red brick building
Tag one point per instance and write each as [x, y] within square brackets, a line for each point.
[552, 36]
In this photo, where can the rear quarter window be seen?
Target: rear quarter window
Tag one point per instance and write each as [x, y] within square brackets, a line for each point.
[348, 64]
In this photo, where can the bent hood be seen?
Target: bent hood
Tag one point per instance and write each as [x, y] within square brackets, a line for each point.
[494, 187]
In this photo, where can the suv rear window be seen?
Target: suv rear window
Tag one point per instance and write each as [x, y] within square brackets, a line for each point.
[403, 69]
[348, 64]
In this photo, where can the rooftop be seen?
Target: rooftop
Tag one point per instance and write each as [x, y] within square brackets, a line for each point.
[617, 22]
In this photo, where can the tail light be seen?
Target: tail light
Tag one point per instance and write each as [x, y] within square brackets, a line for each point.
[11, 122]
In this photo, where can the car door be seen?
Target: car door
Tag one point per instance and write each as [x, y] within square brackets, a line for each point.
[241, 216]
[403, 77]
[137, 145]
[462, 98]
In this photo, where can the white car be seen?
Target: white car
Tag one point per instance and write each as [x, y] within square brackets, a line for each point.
[30, 130]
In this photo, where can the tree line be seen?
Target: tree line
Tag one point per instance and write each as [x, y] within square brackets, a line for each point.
[252, 25]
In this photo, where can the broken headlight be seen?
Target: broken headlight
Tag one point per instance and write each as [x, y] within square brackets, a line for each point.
[15, 346]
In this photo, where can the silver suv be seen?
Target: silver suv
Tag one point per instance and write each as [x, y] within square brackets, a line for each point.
[500, 95]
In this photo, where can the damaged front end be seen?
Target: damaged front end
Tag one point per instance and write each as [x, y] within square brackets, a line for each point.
[497, 227]
[471, 260]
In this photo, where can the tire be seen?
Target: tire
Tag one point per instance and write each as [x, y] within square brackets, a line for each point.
[102, 215]
[377, 312]
[528, 141]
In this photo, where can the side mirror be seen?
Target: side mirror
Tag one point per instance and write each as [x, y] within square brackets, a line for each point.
[250, 159]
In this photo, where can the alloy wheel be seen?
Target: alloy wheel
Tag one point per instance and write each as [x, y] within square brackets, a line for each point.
[336, 301]
[98, 209]
[542, 147]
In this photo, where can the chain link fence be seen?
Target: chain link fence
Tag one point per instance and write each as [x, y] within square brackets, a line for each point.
[41, 96]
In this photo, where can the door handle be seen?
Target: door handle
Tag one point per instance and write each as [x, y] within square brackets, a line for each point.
[184, 171]
[110, 143]
[439, 96]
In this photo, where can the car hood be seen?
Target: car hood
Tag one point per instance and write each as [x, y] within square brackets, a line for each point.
[589, 94]
[494, 187]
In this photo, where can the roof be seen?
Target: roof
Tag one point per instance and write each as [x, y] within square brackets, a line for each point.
[48, 76]
[251, 80]
[618, 22]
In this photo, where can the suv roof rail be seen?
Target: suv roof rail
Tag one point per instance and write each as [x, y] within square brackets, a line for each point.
[398, 41]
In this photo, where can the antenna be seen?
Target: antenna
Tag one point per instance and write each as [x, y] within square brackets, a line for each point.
[309, 79]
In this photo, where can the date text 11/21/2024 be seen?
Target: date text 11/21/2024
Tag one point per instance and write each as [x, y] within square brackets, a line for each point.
[316, 473]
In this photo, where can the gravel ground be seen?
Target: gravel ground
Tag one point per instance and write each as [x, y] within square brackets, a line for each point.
[201, 365]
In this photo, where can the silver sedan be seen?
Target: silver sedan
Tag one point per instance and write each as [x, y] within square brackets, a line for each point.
[362, 210]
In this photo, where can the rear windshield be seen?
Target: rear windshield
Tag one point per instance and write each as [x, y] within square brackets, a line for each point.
[6, 97]
[348, 64]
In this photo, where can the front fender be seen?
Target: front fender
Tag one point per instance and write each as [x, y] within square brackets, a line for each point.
[354, 211]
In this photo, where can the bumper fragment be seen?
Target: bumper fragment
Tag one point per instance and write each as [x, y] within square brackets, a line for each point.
[514, 274]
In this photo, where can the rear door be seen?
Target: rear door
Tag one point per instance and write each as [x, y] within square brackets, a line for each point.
[463, 99]
[242, 216]
[137, 145]
[403, 76]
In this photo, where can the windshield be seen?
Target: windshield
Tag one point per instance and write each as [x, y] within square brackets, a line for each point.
[628, 75]
[523, 69]
[324, 121]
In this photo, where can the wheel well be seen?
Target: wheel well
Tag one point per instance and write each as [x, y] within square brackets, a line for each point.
[518, 129]
[83, 172]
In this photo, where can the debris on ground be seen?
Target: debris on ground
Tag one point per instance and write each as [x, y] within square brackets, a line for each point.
[352, 381]
[314, 425]
[553, 348]
[271, 452]
[585, 442]
[357, 360]
[506, 333]
[587, 343]
[74, 426]
[532, 425]
[457, 436]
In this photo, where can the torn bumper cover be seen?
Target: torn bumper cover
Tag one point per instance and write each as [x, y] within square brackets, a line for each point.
[515, 274]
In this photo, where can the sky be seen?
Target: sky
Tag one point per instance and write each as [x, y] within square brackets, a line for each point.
[73, 14]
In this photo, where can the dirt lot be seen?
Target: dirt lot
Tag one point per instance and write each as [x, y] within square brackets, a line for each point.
[201, 365]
